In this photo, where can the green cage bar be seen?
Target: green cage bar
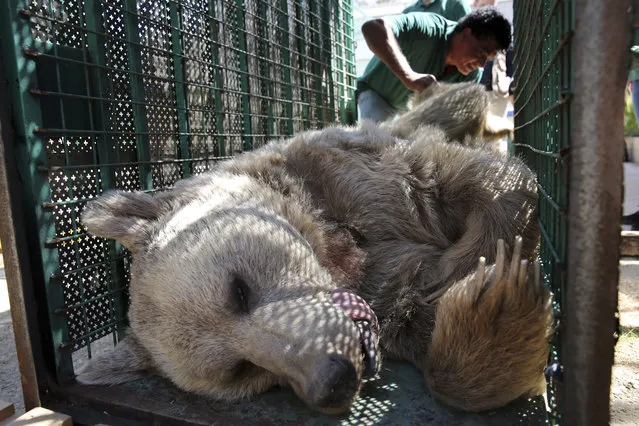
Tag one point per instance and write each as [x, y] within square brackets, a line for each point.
[569, 72]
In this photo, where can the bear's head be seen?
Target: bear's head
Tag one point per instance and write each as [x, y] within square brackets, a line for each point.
[229, 298]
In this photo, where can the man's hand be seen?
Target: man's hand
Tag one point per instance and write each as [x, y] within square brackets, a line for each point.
[418, 82]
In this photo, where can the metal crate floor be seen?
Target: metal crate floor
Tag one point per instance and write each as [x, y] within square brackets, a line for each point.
[397, 397]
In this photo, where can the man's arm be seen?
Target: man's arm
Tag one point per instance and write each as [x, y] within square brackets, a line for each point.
[382, 42]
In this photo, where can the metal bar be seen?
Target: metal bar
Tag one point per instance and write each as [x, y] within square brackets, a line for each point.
[301, 14]
[65, 366]
[217, 76]
[244, 80]
[22, 270]
[180, 88]
[552, 107]
[551, 154]
[86, 301]
[96, 45]
[340, 61]
[68, 344]
[60, 275]
[137, 92]
[29, 151]
[121, 164]
[327, 6]
[596, 178]
[36, 54]
[266, 47]
[349, 37]
[40, 92]
[286, 59]
[549, 246]
[316, 42]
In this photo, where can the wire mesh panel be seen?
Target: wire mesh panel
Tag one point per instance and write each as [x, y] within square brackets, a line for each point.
[543, 35]
[570, 69]
[136, 95]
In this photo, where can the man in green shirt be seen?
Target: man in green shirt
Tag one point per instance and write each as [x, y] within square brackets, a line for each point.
[452, 10]
[415, 50]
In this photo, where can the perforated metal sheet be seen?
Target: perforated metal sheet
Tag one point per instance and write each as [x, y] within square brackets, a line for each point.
[136, 95]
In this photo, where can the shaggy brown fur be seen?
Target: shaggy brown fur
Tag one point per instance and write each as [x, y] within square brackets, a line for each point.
[460, 109]
[232, 269]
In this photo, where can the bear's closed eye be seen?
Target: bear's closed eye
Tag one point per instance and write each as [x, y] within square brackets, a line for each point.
[241, 292]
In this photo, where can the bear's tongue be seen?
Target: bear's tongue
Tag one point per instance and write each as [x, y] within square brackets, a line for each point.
[366, 321]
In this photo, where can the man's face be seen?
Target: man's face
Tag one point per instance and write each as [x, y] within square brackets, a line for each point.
[471, 53]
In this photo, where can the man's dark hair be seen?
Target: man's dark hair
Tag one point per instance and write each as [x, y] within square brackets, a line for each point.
[486, 22]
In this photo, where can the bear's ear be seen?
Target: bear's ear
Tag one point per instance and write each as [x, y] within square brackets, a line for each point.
[123, 216]
[125, 362]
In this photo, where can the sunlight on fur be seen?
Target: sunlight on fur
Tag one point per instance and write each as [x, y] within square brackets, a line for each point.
[305, 262]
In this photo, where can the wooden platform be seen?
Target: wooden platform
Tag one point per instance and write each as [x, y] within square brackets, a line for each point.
[38, 416]
[630, 243]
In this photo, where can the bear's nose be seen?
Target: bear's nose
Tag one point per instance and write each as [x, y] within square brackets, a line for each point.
[340, 385]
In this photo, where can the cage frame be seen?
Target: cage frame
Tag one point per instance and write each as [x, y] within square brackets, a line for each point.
[588, 335]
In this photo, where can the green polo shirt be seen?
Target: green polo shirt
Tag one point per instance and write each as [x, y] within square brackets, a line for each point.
[452, 10]
[424, 39]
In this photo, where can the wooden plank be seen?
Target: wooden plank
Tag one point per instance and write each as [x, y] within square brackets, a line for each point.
[630, 243]
[39, 416]
[6, 410]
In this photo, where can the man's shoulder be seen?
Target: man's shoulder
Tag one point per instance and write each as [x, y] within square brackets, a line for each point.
[418, 6]
[426, 22]
[458, 9]
[452, 10]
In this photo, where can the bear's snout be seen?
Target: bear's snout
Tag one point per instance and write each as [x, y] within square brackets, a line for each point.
[336, 385]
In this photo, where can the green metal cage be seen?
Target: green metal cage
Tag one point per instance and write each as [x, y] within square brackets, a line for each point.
[571, 65]
[135, 95]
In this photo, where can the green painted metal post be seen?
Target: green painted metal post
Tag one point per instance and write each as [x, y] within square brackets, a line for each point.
[96, 43]
[317, 28]
[15, 32]
[286, 62]
[136, 82]
[270, 121]
[327, 44]
[350, 74]
[300, 26]
[180, 87]
[339, 62]
[217, 79]
[244, 76]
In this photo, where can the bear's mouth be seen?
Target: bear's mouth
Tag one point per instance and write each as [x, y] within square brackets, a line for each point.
[366, 321]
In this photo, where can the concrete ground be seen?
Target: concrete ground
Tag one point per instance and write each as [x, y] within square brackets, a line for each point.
[624, 391]
[624, 394]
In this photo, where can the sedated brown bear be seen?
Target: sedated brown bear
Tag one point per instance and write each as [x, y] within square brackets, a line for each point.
[304, 262]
